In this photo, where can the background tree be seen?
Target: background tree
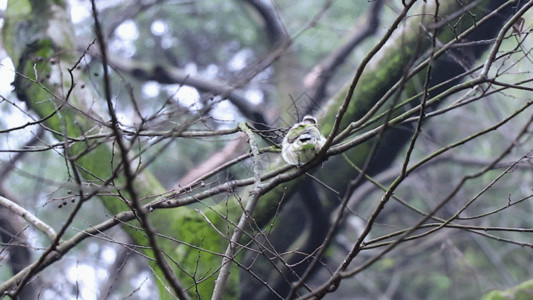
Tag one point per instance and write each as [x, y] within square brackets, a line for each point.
[170, 114]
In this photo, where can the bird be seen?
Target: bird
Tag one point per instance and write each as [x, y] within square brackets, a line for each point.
[302, 142]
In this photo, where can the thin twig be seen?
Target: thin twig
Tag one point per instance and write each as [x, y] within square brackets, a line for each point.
[499, 39]
[223, 274]
[128, 173]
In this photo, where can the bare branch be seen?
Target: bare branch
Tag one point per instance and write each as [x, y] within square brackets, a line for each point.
[26, 215]
[223, 274]
[172, 75]
[141, 215]
[317, 80]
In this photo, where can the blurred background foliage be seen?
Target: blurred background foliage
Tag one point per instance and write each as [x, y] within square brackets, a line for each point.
[219, 40]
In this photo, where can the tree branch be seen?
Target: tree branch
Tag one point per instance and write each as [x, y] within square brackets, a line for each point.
[26, 215]
[171, 75]
[318, 79]
[141, 215]
[223, 274]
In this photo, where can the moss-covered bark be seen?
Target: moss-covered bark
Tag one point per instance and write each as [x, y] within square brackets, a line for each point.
[38, 34]
[523, 291]
[38, 37]
[385, 70]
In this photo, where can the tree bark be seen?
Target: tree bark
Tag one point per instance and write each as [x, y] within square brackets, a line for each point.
[384, 71]
[38, 34]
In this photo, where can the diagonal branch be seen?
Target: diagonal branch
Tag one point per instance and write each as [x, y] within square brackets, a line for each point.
[28, 216]
[318, 79]
[129, 174]
[223, 275]
[274, 27]
[172, 75]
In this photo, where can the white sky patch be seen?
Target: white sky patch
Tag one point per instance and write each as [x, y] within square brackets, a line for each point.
[127, 31]
[7, 75]
[101, 274]
[85, 276]
[13, 117]
[238, 61]
[34, 236]
[159, 27]
[191, 69]
[48, 294]
[79, 12]
[211, 71]
[224, 111]
[167, 42]
[109, 255]
[3, 6]
[188, 97]
[124, 48]
[255, 96]
[151, 89]
[143, 282]
[93, 248]
[125, 119]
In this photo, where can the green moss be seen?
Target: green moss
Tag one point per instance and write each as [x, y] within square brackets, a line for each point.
[194, 229]
[17, 12]
[19, 7]
[95, 163]
[523, 291]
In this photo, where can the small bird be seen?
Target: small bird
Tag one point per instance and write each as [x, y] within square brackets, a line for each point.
[302, 142]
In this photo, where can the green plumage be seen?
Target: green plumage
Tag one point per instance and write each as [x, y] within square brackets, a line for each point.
[302, 142]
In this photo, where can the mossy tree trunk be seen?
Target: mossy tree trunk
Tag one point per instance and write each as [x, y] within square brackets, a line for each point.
[38, 36]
